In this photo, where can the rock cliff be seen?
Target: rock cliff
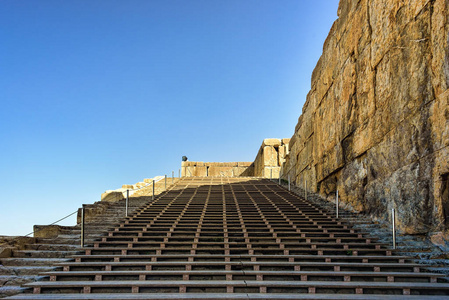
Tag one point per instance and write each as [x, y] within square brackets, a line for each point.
[375, 124]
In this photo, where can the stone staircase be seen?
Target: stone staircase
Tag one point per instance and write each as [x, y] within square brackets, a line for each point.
[41, 255]
[235, 238]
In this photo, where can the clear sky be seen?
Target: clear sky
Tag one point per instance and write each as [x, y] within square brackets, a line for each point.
[96, 94]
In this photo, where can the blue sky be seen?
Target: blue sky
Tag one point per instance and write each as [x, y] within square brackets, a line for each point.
[96, 94]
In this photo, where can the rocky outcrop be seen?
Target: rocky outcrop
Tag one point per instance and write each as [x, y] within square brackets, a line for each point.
[375, 124]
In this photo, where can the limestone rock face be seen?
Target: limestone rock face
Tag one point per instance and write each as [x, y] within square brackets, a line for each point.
[375, 124]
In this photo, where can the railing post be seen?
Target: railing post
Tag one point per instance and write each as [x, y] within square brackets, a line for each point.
[82, 226]
[305, 188]
[179, 173]
[127, 203]
[393, 221]
[289, 182]
[153, 188]
[165, 182]
[336, 204]
[279, 179]
[271, 174]
[172, 177]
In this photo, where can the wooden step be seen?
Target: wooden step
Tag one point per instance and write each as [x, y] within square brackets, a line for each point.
[248, 265]
[202, 257]
[230, 286]
[219, 296]
[260, 275]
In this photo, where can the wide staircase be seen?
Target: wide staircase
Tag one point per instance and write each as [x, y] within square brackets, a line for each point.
[236, 238]
[40, 254]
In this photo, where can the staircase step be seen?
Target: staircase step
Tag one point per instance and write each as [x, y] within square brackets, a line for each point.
[42, 254]
[259, 275]
[14, 280]
[217, 296]
[33, 270]
[53, 247]
[224, 238]
[6, 291]
[17, 261]
[268, 286]
[284, 258]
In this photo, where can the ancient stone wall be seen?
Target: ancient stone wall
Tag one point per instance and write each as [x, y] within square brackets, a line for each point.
[204, 169]
[267, 163]
[270, 157]
[375, 123]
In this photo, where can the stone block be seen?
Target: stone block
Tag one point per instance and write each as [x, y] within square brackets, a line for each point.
[441, 240]
[128, 186]
[112, 196]
[6, 252]
[271, 142]
[270, 156]
[141, 184]
[200, 171]
[46, 231]
[285, 141]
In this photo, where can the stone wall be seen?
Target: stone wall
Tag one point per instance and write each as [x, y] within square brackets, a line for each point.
[267, 164]
[270, 157]
[204, 169]
[375, 123]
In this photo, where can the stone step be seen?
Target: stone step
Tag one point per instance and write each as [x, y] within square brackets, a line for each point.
[13, 280]
[31, 270]
[53, 247]
[43, 253]
[19, 261]
[5, 271]
[73, 239]
[6, 291]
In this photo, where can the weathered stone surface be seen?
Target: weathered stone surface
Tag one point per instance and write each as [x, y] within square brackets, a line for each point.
[112, 196]
[46, 231]
[141, 184]
[375, 124]
[204, 169]
[285, 141]
[271, 142]
[271, 155]
[5, 252]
